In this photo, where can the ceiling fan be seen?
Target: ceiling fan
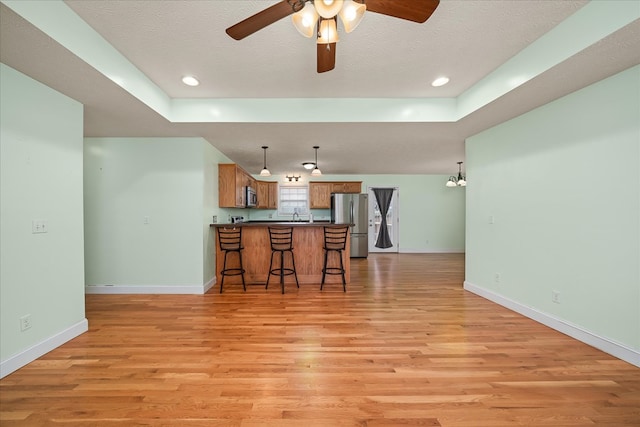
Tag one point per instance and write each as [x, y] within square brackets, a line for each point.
[324, 14]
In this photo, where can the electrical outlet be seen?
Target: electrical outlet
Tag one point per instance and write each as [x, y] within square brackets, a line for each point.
[146, 220]
[497, 277]
[39, 226]
[215, 219]
[25, 322]
[555, 297]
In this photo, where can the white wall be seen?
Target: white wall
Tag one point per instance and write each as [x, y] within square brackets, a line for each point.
[41, 275]
[562, 184]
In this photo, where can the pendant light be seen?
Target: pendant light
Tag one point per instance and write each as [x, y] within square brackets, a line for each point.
[459, 181]
[265, 171]
[316, 171]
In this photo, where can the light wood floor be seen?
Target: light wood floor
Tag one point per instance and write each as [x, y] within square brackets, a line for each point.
[404, 346]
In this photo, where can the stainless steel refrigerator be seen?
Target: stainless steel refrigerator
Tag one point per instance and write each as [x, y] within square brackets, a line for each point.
[353, 209]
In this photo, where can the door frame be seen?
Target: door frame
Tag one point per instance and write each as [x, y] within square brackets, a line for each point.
[395, 229]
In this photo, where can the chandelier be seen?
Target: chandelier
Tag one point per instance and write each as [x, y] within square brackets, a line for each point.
[459, 181]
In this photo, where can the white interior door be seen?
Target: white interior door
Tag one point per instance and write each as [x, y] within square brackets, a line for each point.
[375, 221]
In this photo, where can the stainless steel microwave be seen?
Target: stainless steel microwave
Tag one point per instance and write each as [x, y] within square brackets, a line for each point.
[251, 197]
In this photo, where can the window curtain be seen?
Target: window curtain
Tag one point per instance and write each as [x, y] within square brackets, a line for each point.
[383, 198]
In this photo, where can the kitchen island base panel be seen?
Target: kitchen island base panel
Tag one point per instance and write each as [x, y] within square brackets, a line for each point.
[308, 241]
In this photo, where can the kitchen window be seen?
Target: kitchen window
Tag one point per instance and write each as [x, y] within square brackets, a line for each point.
[293, 199]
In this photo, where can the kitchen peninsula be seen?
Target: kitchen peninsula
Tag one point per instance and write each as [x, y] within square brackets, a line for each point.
[308, 240]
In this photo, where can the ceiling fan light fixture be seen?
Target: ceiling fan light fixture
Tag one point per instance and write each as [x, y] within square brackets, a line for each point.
[328, 8]
[351, 14]
[410, 10]
[328, 32]
[305, 20]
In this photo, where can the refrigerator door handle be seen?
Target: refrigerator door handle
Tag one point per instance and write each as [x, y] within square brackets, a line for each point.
[351, 213]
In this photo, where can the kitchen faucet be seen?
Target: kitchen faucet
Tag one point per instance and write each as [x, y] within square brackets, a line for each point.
[295, 214]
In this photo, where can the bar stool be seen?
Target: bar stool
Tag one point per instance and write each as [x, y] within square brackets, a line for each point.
[281, 239]
[230, 240]
[335, 240]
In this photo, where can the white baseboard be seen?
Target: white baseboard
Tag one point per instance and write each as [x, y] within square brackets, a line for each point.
[422, 251]
[151, 289]
[19, 360]
[210, 284]
[613, 348]
[430, 251]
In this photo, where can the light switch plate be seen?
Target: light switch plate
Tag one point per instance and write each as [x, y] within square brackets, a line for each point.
[39, 226]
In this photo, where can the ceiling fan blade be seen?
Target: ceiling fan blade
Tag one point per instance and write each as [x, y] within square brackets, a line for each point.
[260, 20]
[326, 57]
[411, 10]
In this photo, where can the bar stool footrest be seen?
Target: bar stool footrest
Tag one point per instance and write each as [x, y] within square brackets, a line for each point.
[285, 271]
[233, 272]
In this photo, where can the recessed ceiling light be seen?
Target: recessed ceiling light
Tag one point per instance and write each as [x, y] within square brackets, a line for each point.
[190, 81]
[440, 81]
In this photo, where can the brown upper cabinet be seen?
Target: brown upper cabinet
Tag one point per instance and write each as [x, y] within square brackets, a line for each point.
[267, 194]
[319, 195]
[346, 187]
[320, 191]
[232, 181]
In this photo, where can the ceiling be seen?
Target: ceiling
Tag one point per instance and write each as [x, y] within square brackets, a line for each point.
[376, 112]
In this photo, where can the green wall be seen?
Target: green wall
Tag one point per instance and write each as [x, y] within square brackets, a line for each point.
[553, 205]
[432, 216]
[148, 203]
[41, 275]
